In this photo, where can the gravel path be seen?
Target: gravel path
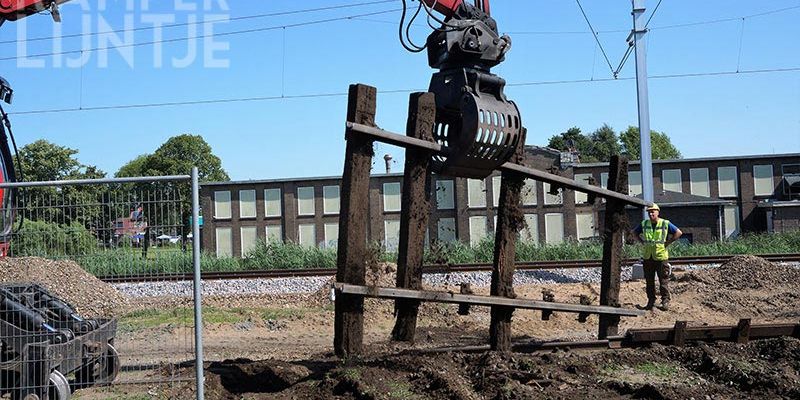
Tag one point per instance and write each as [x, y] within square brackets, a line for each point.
[313, 284]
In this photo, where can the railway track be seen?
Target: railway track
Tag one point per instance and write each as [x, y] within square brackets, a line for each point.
[679, 335]
[429, 269]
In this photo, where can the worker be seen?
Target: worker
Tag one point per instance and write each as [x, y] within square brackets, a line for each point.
[656, 234]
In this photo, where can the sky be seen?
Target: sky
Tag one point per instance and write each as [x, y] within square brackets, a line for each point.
[112, 96]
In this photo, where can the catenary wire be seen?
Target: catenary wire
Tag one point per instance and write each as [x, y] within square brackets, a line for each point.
[221, 34]
[175, 25]
[341, 94]
[631, 43]
[597, 39]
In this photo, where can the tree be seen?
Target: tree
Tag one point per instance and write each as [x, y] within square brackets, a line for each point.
[46, 161]
[605, 143]
[573, 139]
[176, 156]
[135, 167]
[180, 153]
[661, 147]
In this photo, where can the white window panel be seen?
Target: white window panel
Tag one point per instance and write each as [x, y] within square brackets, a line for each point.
[330, 203]
[604, 180]
[224, 242]
[581, 197]
[308, 235]
[635, 183]
[698, 182]
[496, 182]
[332, 235]
[272, 202]
[476, 190]
[551, 198]
[391, 196]
[445, 195]
[554, 228]
[731, 221]
[531, 231]
[222, 205]
[274, 233]
[529, 193]
[391, 230]
[305, 201]
[247, 204]
[249, 239]
[728, 181]
[585, 225]
[671, 180]
[477, 229]
[762, 180]
[446, 228]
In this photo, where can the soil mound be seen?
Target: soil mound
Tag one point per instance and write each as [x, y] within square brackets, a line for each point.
[748, 286]
[765, 369]
[750, 272]
[91, 297]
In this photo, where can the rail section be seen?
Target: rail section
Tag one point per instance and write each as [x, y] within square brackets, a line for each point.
[429, 269]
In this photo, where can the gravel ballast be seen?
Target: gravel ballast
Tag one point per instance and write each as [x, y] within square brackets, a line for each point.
[314, 284]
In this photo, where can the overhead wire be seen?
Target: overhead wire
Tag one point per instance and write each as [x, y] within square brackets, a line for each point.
[681, 25]
[341, 94]
[631, 43]
[597, 39]
[215, 34]
[179, 24]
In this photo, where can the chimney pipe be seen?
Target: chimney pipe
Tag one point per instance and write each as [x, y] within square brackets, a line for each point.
[388, 159]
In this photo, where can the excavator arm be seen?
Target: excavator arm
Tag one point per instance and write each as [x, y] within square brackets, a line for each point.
[12, 10]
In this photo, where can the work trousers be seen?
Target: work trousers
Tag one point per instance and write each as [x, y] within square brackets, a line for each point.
[651, 269]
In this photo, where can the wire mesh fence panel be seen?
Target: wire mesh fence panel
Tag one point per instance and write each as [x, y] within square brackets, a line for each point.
[77, 308]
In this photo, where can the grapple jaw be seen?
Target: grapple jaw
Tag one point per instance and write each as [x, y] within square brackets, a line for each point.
[478, 128]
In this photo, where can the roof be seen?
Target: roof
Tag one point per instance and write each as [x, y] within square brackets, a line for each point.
[677, 199]
[779, 204]
[284, 180]
[701, 159]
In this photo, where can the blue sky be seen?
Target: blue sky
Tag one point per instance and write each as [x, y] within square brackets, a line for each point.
[712, 115]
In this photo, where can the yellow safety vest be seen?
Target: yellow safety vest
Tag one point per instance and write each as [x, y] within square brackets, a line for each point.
[654, 240]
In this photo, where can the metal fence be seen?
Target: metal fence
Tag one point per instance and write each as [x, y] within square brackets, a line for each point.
[69, 239]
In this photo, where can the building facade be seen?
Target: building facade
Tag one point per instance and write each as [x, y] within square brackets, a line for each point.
[709, 198]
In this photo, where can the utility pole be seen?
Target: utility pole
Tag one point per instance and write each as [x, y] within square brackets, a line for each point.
[638, 33]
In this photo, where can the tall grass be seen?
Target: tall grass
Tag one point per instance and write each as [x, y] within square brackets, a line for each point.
[129, 261]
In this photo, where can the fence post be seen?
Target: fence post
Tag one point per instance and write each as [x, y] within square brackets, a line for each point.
[198, 300]
[353, 218]
[414, 213]
[616, 222]
[509, 222]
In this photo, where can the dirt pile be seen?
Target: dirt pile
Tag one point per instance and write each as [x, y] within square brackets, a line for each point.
[91, 297]
[750, 272]
[759, 370]
[748, 286]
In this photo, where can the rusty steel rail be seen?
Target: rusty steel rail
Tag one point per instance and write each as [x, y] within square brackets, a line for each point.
[404, 141]
[429, 269]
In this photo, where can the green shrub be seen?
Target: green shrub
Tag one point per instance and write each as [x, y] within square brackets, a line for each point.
[50, 240]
